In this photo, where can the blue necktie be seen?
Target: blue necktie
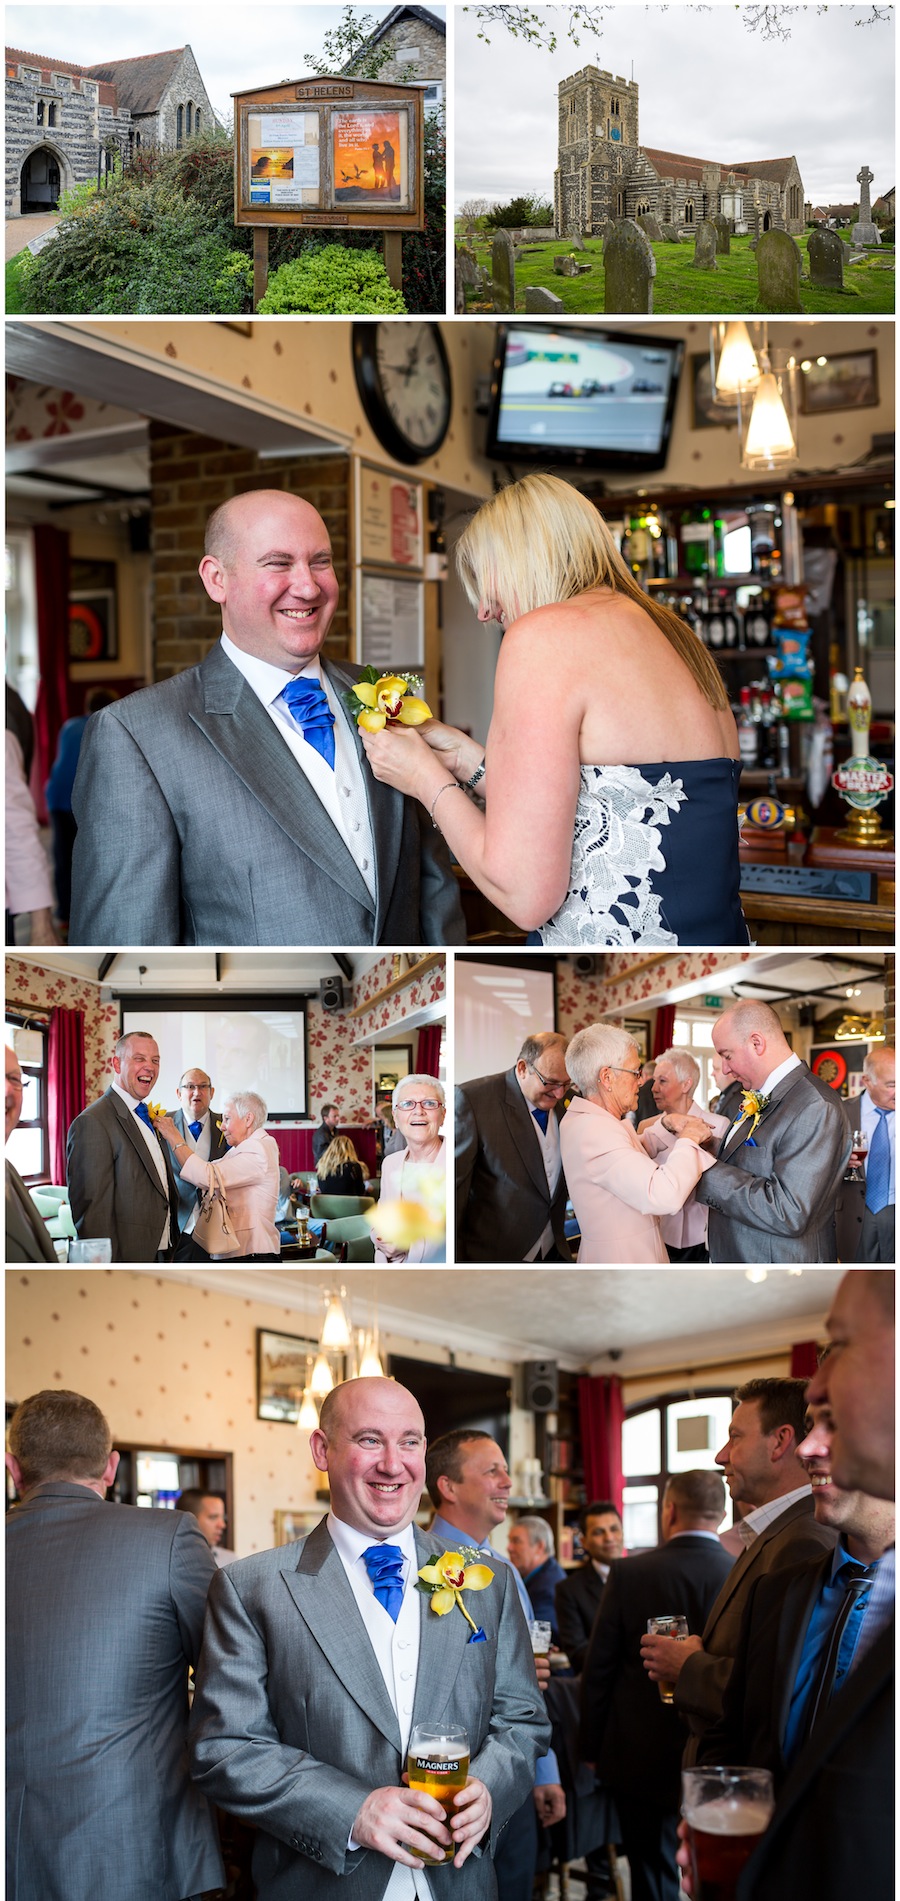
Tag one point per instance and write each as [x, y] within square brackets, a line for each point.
[308, 706]
[542, 1117]
[143, 1114]
[878, 1167]
[195, 1128]
[384, 1564]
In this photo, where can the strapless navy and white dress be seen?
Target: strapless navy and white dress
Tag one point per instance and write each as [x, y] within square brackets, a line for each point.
[654, 859]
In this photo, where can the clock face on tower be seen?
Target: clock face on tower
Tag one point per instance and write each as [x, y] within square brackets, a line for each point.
[403, 378]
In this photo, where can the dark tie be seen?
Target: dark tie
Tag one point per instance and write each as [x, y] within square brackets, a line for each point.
[308, 706]
[855, 1582]
[878, 1166]
[542, 1117]
[143, 1114]
[384, 1564]
[195, 1128]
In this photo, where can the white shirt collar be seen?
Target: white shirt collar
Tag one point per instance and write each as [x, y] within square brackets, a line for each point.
[268, 682]
[784, 1069]
[133, 1102]
[762, 1515]
[352, 1543]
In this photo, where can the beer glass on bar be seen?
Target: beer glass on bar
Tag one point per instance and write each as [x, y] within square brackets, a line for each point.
[437, 1762]
[726, 1810]
[541, 1637]
[667, 1627]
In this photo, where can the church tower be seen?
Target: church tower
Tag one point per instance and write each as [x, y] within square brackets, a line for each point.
[598, 142]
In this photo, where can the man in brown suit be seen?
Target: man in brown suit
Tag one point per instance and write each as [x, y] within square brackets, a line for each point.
[763, 1472]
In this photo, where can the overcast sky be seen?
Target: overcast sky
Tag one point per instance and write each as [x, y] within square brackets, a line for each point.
[708, 88]
[235, 47]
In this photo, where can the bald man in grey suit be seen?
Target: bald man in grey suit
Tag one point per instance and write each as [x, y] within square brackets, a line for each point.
[121, 1185]
[208, 808]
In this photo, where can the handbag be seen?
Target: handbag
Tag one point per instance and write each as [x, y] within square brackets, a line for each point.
[214, 1230]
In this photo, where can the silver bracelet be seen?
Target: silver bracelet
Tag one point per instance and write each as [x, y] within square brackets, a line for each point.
[468, 785]
[451, 786]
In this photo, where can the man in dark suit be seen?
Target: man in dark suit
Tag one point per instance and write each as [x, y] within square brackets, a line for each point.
[532, 1549]
[772, 1193]
[510, 1188]
[121, 1184]
[202, 1134]
[104, 1619]
[324, 1135]
[764, 1472]
[239, 788]
[317, 1664]
[866, 1204]
[578, 1596]
[635, 1739]
[26, 1236]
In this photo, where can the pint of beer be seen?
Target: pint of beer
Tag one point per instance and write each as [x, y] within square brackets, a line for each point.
[726, 1810]
[667, 1627]
[438, 1764]
[541, 1635]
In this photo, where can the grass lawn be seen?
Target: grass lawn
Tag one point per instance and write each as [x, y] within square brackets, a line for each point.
[679, 289]
[15, 305]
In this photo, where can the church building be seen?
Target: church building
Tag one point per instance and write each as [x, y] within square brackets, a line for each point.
[604, 171]
[66, 124]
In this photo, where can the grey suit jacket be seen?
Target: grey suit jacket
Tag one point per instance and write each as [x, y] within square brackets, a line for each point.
[186, 1192]
[292, 1726]
[503, 1202]
[104, 1615]
[774, 1199]
[26, 1235]
[114, 1189]
[196, 826]
[794, 1535]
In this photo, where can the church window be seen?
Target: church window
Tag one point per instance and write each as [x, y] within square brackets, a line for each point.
[689, 211]
[618, 162]
[620, 204]
[39, 112]
[428, 100]
[179, 125]
[51, 113]
[188, 110]
[614, 107]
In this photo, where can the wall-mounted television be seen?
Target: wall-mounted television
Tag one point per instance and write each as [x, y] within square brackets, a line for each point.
[582, 395]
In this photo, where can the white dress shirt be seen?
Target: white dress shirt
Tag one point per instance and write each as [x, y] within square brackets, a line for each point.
[154, 1146]
[550, 1156]
[396, 1647]
[763, 1515]
[340, 790]
[201, 1147]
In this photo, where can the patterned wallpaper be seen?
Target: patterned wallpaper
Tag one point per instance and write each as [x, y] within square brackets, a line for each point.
[584, 1000]
[37, 410]
[429, 988]
[32, 986]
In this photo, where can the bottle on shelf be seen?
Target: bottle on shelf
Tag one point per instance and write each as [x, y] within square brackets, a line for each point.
[747, 730]
[697, 536]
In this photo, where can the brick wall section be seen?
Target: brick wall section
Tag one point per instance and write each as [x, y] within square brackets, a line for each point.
[191, 475]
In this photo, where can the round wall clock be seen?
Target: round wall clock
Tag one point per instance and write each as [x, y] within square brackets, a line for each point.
[403, 378]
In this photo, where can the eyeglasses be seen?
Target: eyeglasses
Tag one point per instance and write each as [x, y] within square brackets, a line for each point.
[427, 1102]
[559, 1089]
[622, 1072]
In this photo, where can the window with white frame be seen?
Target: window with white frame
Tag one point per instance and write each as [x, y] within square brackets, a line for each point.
[678, 1433]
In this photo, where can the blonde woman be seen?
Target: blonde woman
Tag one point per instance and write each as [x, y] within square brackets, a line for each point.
[611, 769]
[339, 1170]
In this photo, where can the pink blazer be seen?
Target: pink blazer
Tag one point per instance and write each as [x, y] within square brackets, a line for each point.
[617, 1192]
[392, 1190]
[686, 1228]
[249, 1176]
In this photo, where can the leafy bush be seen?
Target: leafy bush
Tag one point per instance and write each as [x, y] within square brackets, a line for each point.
[142, 249]
[331, 278]
[520, 211]
[424, 252]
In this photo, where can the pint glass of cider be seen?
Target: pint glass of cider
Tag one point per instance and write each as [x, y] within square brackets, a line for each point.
[438, 1764]
[669, 1626]
[726, 1810]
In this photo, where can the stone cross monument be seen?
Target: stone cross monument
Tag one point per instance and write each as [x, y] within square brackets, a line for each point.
[865, 232]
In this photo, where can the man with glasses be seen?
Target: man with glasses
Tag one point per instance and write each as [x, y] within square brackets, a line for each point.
[203, 1136]
[510, 1187]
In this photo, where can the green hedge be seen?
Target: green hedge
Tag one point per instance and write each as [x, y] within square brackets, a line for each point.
[331, 278]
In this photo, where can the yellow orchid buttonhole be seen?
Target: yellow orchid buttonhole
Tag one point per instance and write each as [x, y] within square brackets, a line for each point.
[388, 700]
[155, 1110]
[447, 1575]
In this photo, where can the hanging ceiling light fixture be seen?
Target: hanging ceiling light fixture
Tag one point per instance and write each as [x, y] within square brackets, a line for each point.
[769, 441]
[734, 364]
[370, 1367]
[308, 1416]
[336, 1336]
[322, 1378]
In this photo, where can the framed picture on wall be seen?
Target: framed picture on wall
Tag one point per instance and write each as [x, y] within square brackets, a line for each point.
[639, 1031]
[846, 381]
[390, 1063]
[282, 1365]
[291, 1526]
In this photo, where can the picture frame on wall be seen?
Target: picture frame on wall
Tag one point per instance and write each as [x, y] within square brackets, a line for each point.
[846, 381]
[282, 1365]
[291, 1526]
[704, 414]
[390, 1063]
[639, 1034]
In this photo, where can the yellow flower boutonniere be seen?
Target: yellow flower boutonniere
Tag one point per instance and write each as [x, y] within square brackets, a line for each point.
[447, 1575]
[752, 1106]
[379, 700]
[155, 1110]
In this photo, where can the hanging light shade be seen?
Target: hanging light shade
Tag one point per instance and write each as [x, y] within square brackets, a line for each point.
[756, 1274]
[737, 370]
[322, 1378]
[769, 442]
[308, 1417]
[370, 1365]
[335, 1336]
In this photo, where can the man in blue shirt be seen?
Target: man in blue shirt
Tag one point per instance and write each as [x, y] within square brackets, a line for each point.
[468, 1482]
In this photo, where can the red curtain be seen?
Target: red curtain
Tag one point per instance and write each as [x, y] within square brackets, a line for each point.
[803, 1360]
[51, 562]
[428, 1049]
[295, 1148]
[66, 1079]
[602, 1415]
[665, 1028]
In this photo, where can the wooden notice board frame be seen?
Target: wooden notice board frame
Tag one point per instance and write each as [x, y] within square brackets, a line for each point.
[278, 182]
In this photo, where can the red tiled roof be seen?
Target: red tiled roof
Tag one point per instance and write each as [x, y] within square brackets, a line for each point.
[679, 165]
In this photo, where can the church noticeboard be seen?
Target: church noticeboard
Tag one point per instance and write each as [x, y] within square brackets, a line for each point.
[332, 152]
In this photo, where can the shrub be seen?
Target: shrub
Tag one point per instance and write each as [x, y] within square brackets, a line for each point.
[332, 278]
[520, 211]
[142, 249]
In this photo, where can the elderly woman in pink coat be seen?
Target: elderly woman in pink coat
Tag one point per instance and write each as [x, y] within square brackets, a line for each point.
[618, 1192]
[418, 1106]
[248, 1174]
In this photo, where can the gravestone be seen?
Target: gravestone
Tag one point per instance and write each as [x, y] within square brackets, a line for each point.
[865, 232]
[671, 234]
[630, 270]
[503, 272]
[826, 259]
[565, 267]
[652, 227]
[723, 237]
[576, 244]
[543, 302]
[778, 263]
[704, 258]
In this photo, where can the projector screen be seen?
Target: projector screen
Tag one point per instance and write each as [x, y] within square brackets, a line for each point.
[242, 1043]
[497, 1006]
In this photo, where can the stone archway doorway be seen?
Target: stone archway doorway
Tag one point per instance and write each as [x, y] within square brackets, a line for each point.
[41, 180]
[767, 222]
